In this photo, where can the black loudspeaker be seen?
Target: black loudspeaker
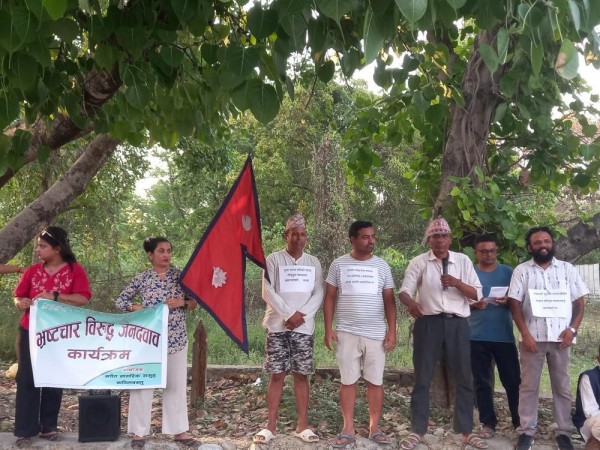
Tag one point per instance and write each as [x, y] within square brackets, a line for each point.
[99, 418]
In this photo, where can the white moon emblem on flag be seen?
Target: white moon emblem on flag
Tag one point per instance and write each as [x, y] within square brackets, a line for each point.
[246, 222]
[219, 277]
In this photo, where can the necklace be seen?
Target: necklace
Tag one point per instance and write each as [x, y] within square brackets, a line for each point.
[160, 273]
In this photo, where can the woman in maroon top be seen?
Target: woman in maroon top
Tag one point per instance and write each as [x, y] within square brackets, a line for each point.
[58, 276]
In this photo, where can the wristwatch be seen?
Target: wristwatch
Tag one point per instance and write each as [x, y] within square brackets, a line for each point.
[55, 293]
[574, 331]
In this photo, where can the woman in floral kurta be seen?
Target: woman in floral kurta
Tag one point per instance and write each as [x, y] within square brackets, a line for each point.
[155, 286]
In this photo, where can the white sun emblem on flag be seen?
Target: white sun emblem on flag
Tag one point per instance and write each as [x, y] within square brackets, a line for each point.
[219, 277]
[246, 222]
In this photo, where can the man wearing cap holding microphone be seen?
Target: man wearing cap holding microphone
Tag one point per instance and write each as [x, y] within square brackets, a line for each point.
[437, 291]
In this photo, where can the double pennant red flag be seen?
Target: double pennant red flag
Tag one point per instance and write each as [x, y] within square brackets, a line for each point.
[214, 275]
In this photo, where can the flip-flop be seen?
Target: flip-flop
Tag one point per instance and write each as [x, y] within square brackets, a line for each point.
[487, 432]
[307, 435]
[347, 440]
[380, 437]
[263, 436]
[411, 441]
[53, 436]
[475, 441]
[189, 442]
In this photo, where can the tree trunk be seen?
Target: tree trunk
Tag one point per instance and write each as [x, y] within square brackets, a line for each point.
[20, 230]
[466, 139]
[330, 207]
[580, 239]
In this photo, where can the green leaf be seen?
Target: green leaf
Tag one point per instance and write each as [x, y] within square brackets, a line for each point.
[105, 56]
[457, 3]
[9, 39]
[326, 71]
[350, 62]
[240, 96]
[9, 110]
[490, 58]
[64, 28]
[171, 55]
[589, 130]
[317, 35]
[575, 14]
[55, 8]
[413, 10]
[25, 70]
[138, 96]
[43, 153]
[373, 36]
[537, 56]
[581, 180]
[500, 112]
[502, 43]
[334, 9]
[290, 7]
[466, 214]
[262, 23]
[295, 27]
[264, 102]
[289, 84]
[567, 61]
[241, 61]
[26, 24]
[209, 53]
[185, 9]
[134, 39]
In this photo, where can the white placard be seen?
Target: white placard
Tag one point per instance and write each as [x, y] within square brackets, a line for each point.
[359, 280]
[551, 302]
[496, 292]
[296, 278]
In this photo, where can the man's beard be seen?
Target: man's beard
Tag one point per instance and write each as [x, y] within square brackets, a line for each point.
[540, 258]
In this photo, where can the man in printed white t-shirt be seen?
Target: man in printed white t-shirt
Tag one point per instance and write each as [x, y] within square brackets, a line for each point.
[293, 294]
[359, 291]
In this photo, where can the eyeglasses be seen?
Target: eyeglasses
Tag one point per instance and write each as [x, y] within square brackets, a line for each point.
[493, 251]
[45, 233]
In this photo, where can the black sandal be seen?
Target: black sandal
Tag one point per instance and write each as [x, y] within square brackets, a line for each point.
[138, 443]
[23, 442]
[53, 436]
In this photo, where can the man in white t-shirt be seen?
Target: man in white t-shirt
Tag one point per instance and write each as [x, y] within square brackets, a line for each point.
[359, 291]
[293, 294]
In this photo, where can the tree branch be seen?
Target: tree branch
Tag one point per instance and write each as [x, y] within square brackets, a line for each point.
[55, 200]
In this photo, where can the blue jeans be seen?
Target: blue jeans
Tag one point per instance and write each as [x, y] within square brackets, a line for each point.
[507, 360]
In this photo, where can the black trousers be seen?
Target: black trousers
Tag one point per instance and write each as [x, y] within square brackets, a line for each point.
[448, 339]
[36, 408]
[506, 356]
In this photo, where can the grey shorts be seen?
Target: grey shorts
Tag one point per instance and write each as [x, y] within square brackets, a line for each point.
[289, 348]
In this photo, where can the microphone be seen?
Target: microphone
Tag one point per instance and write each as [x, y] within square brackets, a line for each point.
[445, 270]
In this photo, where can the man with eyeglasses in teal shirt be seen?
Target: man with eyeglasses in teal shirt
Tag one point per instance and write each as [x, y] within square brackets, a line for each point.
[492, 338]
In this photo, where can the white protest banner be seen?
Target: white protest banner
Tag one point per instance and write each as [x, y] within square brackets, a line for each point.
[296, 278]
[358, 279]
[79, 348]
[551, 302]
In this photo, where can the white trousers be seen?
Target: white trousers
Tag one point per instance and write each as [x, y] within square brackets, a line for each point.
[174, 401]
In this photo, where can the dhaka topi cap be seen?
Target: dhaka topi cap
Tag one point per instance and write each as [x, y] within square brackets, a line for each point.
[297, 220]
[438, 226]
